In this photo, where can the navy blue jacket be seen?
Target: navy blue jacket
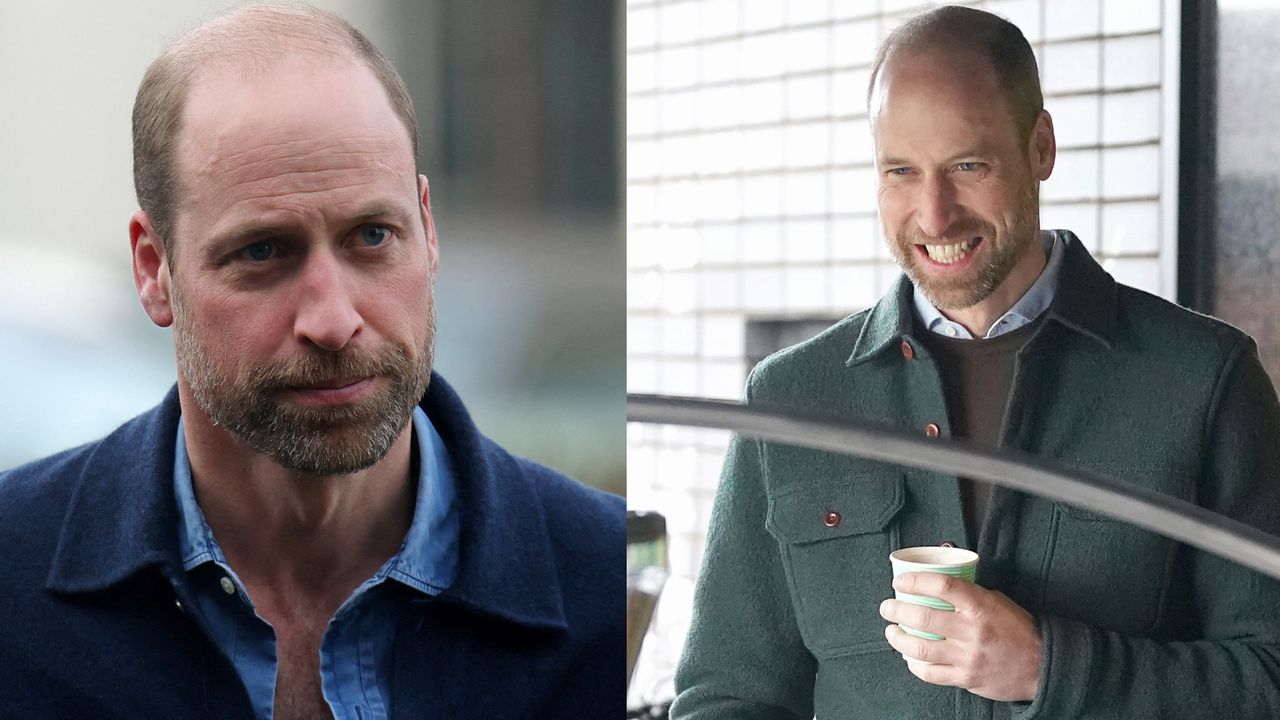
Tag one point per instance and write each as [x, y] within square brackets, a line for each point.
[93, 628]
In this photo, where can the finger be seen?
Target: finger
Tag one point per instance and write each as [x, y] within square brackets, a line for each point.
[951, 589]
[939, 674]
[938, 622]
[933, 651]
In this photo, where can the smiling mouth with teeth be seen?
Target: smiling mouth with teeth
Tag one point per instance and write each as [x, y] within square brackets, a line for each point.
[948, 254]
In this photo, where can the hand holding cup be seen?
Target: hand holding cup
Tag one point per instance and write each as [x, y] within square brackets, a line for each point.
[987, 643]
[951, 561]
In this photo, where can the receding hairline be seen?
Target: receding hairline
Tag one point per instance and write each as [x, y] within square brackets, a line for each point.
[949, 58]
[252, 37]
[249, 39]
[968, 32]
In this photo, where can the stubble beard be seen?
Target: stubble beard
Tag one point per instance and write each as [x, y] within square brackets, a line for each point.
[252, 403]
[965, 291]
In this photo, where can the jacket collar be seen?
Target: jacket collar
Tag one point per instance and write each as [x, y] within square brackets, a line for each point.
[122, 517]
[1087, 296]
[1085, 301]
[888, 322]
[506, 562]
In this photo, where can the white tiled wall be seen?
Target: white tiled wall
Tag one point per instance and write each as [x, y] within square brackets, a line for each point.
[751, 193]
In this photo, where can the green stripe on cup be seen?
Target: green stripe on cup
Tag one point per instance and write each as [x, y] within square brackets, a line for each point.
[926, 601]
[968, 573]
[921, 633]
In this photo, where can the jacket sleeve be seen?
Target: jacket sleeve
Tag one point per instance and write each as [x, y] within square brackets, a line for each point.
[1231, 667]
[743, 658]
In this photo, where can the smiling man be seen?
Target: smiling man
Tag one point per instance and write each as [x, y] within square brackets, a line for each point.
[309, 526]
[1009, 336]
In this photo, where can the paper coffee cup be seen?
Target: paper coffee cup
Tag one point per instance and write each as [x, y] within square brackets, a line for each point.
[952, 561]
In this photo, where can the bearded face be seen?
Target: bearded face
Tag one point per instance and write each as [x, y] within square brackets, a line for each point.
[958, 172]
[990, 252]
[301, 285]
[258, 403]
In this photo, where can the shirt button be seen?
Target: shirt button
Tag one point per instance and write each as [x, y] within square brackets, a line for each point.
[907, 351]
[931, 430]
[950, 331]
[228, 586]
[831, 519]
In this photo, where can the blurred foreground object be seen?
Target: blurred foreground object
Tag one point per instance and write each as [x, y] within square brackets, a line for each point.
[647, 572]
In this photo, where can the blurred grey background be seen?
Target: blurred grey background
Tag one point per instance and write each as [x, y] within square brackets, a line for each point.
[519, 108]
[1241, 265]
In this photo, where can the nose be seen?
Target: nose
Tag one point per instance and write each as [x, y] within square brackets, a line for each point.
[935, 206]
[326, 313]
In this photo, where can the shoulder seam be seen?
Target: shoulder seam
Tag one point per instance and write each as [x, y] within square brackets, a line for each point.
[1219, 389]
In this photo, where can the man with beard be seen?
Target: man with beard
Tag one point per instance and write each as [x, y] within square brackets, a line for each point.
[1010, 337]
[309, 525]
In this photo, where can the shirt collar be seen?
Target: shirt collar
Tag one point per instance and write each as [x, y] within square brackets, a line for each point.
[1084, 301]
[122, 515]
[1033, 302]
[428, 558]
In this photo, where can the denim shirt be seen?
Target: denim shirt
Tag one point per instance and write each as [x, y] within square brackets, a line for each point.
[1033, 302]
[355, 653]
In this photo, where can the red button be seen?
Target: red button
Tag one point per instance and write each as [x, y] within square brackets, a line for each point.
[907, 351]
[831, 519]
[931, 430]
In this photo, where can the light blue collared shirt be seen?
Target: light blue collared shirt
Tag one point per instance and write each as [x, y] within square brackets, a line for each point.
[355, 654]
[1029, 307]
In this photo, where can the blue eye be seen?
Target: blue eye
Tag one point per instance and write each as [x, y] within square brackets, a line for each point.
[260, 251]
[899, 171]
[968, 166]
[374, 235]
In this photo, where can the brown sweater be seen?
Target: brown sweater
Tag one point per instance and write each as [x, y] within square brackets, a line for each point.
[976, 378]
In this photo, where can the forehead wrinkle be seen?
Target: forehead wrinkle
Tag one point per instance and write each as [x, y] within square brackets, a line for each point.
[292, 208]
[306, 166]
[295, 201]
[224, 147]
[229, 155]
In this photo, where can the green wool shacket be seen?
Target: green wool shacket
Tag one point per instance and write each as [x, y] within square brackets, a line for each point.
[1115, 382]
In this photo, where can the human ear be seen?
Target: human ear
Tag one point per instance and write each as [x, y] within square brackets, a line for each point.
[433, 248]
[1043, 147]
[150, 269]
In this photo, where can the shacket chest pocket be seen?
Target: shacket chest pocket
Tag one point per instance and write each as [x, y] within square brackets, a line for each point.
[1093, 556]
[834, 538]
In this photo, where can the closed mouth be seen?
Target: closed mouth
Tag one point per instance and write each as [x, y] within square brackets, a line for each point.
[336, 384]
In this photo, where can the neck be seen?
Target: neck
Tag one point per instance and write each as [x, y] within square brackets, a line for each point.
[979, 318]
[285, 532]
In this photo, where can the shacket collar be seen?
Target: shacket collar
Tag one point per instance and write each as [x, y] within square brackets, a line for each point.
[887, 324]
[122, 516]
[1085, 301]
[1087, 297]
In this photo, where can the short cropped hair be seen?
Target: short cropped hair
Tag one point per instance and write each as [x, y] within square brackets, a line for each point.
[1000, 42]
[249, 37]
